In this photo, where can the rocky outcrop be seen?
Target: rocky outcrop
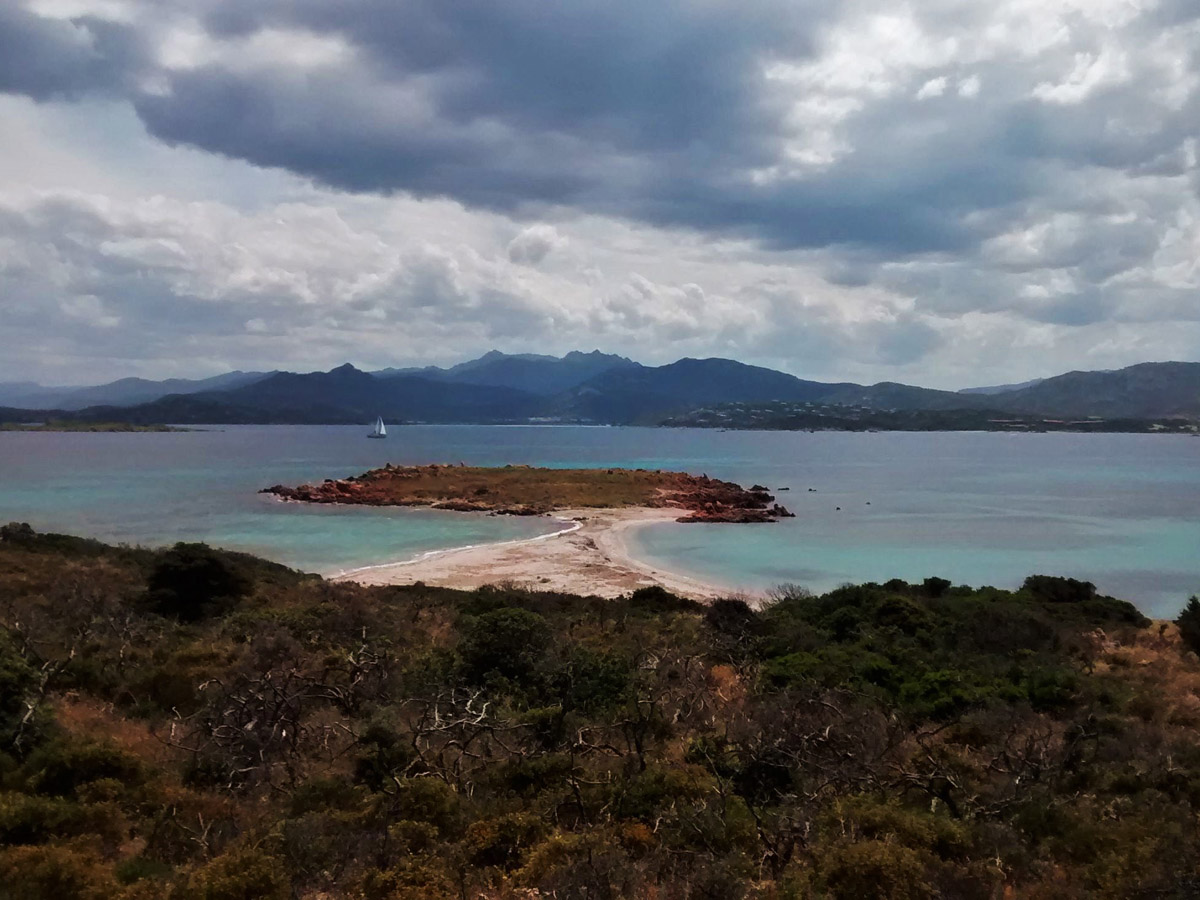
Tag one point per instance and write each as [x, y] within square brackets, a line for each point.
[527, 491]
[711, 500]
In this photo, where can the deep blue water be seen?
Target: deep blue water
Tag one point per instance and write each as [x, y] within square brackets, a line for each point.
[1120, 510]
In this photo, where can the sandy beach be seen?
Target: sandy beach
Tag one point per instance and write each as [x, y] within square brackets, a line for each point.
[589, 556]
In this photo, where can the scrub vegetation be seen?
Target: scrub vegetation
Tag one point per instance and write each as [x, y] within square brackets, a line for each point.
[203, 725]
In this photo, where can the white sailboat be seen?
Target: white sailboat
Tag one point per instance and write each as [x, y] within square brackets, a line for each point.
[380, 430]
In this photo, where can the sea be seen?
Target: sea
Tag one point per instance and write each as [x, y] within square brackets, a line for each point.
[1119, 510]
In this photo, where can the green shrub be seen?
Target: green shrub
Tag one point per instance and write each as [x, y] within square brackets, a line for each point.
[935, 587]
[510, 643]
[245, 874]
[763, 778]
[726, 878]
[1189, 625]
[191, 582]
[1002, 628]
[529, 775]
[503, 842]
[902, 614]
[410, 880]
[875, 818]
[1103, 610]
[657, 600]
[845, 624]
[587, 866]
[54, 873]
[18, 679]
[319, 847]
[730, 616]
[792, 669]
[141, 868]
[35, 820]
[384, 755]
[428, 800]
[19, 533]
[594, 682]
[62, 768]
[171, 686]
[1051, 689]
[659, 787]
[324, 794]
[941, 694]
[879, 671]
[874, 870]
[1053, 589]
[736, 629]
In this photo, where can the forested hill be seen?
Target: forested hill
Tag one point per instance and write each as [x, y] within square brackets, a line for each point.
[1146, 391]
[202, 725]
[595, 388]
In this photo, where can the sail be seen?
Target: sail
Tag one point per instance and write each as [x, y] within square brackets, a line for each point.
[379, 427]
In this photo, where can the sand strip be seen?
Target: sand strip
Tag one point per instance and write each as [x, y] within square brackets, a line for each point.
[588, 556]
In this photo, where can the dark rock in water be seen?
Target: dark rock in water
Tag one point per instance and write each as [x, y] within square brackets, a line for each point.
[462, 506]
[728, 516]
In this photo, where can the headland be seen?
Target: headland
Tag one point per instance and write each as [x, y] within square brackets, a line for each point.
[598, 509]
[530, 491]
[89, 427]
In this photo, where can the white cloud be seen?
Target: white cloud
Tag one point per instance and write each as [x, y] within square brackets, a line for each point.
[1090, 72]
[188, 46]
[934, 87]
[534, 243]
[799, 201]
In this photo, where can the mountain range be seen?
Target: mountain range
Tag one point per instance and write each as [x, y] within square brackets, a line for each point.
[582, 387]
[123, 392]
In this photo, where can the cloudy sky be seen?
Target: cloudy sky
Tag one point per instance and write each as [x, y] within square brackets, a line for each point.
[944, 193]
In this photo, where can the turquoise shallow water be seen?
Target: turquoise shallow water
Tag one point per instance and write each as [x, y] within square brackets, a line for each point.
[161, 488]
[1120, 510]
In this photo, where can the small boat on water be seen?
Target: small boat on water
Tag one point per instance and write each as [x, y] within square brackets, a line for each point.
[380, 430]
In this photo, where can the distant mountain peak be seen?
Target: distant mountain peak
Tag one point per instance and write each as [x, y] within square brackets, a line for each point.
[1002, 388]
[534, 373]
[580, 355]
[592, 386]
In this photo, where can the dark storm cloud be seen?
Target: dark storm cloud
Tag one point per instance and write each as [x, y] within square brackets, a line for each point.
[611, 107]
[655, 114]
[618, 72]
[49, 58]
[658, 112]
[323, 129]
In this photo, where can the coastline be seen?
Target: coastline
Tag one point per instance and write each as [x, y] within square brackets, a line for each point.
[590, 556]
